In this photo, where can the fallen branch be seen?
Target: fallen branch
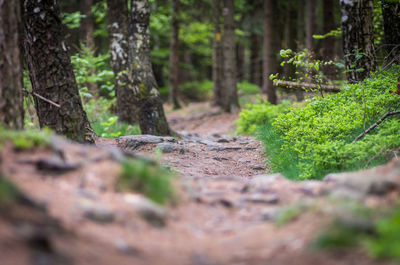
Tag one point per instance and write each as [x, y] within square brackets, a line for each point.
[328, 88]
[387, 114]
[42, 98]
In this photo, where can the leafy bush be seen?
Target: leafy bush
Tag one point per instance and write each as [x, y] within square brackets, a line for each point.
[316, 139]
[25, 139]
[148, 178]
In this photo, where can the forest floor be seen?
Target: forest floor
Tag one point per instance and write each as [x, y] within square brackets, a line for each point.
[229, 211]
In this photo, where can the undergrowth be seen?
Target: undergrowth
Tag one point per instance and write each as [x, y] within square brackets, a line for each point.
[309, 141]
[25, 139]
[148, 178]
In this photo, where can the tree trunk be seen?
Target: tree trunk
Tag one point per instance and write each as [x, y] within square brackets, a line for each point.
[51, 72]
[391, 23]
[218, 59]
[301, 24]
[268, 87]
[358, 34]
[174, 56]
[87, 23]
[328, 44]
[310, 24]
[256, 75]
[230, 97]
[117, 11]
[151, 113]
[11, 107]
[240, 73]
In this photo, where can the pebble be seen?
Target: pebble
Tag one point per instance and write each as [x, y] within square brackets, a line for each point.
[153, 213]
[95, 211]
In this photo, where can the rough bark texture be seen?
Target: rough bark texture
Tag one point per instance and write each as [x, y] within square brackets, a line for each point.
[51, 72]
[230, 97]
[358, 34]
[117, 11]
[268, 87]
[87, 25]
[11, 109]
[391, 23]
[151, 113]
[174, 57]
[310, 24]
[218, 59]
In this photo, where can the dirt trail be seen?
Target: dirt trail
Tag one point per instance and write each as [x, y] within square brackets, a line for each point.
[227, 213]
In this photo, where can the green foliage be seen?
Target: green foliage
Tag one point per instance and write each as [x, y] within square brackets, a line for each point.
[25, 139]
[317, 138]
[336, 33]
[148, 178]
[8, 192]
[248, 88]
[289, 214]
[72, 20]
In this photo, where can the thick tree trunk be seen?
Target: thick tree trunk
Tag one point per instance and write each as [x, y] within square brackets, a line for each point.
[230, 97]
[51, 72]
[310, 24]
[117, 11]
[218, 59]
[151, 113]
[391, 23]
[268, 87]
[174, 57]
[256, 76]
[87, 23]
[358, 42]
[11, 108]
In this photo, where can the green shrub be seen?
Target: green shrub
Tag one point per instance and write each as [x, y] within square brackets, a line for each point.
[148, 178]
[25, 139]
[317, 138]
[197, 90]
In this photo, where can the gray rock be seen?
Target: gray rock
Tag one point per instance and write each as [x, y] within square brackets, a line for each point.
[226, 148]
[153, 213]
[262, 181]
[132, 142]
[346, 194]
[223, 140]
[262, 198]
[171, 148]
[270, 214]
[255, 167]
[122, 246]
[95, 211]
[312, 187]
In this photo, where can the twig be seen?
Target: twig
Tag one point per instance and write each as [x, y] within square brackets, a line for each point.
[387, 114]
[43, 98]
[328, 88]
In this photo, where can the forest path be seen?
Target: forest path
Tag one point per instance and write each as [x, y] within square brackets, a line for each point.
[230, 210]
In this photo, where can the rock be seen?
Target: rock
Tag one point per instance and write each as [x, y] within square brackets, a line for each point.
[346, 193]
[262, 198]
[56, 164]
[153, 213]
[262, 181]
[171, 147]
[270, 214]
[226, 148]
[95, 211]
[220, 158]
[223, 140]
[376, 181]
[132, 142]
[122, 246]
[255, 167]
[312, 187]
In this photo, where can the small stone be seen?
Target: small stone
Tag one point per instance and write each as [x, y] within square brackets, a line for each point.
[312, 187]
[255, 167]
[125, 248]
[220, 158]
[226, 148]
[270, 214]
[96, 212]
[222, 140]
[153, 213]
[261, 198]
[167, 148]
[132, 142]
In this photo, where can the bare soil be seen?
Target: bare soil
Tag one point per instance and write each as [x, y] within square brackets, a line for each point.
[220, 218]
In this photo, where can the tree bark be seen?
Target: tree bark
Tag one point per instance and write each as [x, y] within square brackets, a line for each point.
[328, 44]
[117, 11]
[11, 107]
[174, 57]
[310, 24]
[391, 24]
[151, 115]
[87, 23]
[218, 59]
[240, 73]
[358, 38]
[256, 75]
[268, 87]
[51, 72]
[230, 97]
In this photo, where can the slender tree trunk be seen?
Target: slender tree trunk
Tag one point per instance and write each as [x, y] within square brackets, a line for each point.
[230, 97]
[240, 73]
[256, 75]
[151, 113]
[391, 23]
[358, 34]
[268, 88]
[328, 44]
[51, 72]
[174, 56]
[87, 23]
[117, 11]
[218, 59]
[310, 24]
[301, 24]
[11, 108]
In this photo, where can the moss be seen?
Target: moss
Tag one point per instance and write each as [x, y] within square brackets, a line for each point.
[25, 139]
